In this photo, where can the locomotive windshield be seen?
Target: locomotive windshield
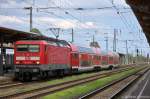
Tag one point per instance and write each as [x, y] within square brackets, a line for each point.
[28, 48]
[33, 48]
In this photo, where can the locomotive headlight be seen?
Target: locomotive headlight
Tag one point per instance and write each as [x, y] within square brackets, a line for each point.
[37, 62]
[17, 62]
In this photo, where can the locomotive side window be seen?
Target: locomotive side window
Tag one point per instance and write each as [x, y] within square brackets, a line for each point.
[22, 48]
[34, 48]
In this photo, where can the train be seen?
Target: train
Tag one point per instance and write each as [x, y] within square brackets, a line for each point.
[41, 58]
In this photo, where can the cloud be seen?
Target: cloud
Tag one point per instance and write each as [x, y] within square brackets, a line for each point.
[49, 21]
[65, 23]
[90, 25]
[10, 19]
[4, 1]
[15, 3]
[121, 3]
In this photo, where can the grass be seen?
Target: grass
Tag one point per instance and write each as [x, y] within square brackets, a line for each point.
[40, 85]
[79, 90]
[46, 83]
[74, 77]
[70, 78]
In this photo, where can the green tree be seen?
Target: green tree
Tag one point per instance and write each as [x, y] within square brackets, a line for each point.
[35, 30]
[94, 44]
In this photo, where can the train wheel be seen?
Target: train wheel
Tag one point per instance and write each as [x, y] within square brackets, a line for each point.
[47, 74]
[43, 75]
[111, 67]
[27, 76]
[60, 73]
[74, 71]
[20, 76]
[16, 76]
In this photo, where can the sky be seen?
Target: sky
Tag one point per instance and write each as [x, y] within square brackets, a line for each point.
[97, 17]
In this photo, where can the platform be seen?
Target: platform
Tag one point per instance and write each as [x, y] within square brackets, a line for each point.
[140, 90]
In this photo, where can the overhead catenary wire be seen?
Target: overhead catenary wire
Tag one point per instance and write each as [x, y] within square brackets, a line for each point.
[118, 12]
[75, 9]
[123, 19]
[67, 10]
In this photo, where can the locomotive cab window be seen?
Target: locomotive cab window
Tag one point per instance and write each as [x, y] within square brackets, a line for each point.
[33, 48]
[27, 48]
[61, 45]
[22, 48]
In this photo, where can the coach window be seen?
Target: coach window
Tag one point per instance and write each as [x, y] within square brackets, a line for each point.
[98, 58]
[110, 58]
[75, 55]
[95, 57]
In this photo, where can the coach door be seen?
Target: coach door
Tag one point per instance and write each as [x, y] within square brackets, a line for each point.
[74, 59]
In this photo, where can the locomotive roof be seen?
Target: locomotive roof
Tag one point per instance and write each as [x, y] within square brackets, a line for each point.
[31, 42]
[51, 42]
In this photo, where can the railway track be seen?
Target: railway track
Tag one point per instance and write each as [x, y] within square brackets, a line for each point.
[112, 90]
[10, 85]
[4, 83]
[58, 87]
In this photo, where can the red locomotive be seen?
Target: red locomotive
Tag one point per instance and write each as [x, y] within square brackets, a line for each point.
[40, 58]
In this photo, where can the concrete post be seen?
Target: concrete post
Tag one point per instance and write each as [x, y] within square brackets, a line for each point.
[1, 57]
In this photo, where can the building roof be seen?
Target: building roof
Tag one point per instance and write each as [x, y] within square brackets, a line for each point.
[141, 9]
[11, 35]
